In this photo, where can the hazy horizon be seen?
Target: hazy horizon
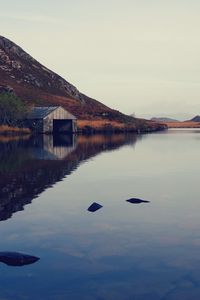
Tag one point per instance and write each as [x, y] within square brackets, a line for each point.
[137, 57]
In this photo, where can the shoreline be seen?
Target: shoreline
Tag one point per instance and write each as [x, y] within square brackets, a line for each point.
[94, 127]
[185, 124]
[108, 126]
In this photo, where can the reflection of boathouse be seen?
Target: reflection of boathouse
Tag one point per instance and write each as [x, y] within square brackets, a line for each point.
[48, 147]
[53, 119]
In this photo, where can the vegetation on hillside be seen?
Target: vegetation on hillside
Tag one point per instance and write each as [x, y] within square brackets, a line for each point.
[12, 109]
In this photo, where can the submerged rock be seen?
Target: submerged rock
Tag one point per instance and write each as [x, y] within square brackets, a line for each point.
[137, 201]
[17, 259]
[94, 207]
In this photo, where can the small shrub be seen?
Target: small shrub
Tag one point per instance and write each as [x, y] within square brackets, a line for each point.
[12, 109]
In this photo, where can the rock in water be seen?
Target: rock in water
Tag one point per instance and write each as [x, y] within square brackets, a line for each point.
[94, 207]
[137, 201]
[17, 259]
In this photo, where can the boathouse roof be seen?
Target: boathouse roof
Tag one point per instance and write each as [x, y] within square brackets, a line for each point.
[43, 112]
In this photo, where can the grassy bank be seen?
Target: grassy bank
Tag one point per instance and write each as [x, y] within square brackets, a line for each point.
[93, 126]
[100, 126]
[183, 124]
[139, 125]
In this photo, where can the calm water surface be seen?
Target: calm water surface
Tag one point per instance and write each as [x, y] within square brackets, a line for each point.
[123, 251]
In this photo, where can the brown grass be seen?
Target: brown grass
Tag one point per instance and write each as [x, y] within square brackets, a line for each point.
[183, 124]
[99, 124]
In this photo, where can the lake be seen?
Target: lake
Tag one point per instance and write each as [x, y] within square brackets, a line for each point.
[121, 251]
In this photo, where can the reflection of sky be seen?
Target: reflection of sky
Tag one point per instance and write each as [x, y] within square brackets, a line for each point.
[147, 251]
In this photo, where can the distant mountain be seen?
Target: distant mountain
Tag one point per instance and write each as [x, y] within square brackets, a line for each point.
[164, 119]
[37, 85]
[195, 119]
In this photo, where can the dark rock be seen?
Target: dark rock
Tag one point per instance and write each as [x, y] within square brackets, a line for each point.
[94, 207]
[137, 201]
[17, 259]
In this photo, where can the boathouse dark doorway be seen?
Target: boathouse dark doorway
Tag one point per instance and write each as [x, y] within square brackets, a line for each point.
[60, 126]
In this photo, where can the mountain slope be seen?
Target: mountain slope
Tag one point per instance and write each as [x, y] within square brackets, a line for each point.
[37, 85]
[195, 119]
[163, 119]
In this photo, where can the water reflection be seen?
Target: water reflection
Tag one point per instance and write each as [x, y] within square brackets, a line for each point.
[31, 165]
[48, 147]
[16, 259]
[120, 251]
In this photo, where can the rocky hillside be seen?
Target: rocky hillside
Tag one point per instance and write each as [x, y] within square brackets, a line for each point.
[34, 83]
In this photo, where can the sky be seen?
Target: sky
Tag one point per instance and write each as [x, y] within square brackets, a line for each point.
[140, 57]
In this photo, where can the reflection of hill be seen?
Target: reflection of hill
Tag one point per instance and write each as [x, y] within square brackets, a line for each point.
[28, 167]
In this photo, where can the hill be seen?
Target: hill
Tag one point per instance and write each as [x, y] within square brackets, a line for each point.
[163, 119]
[171, 123]
[37, 85]
[195, 119]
